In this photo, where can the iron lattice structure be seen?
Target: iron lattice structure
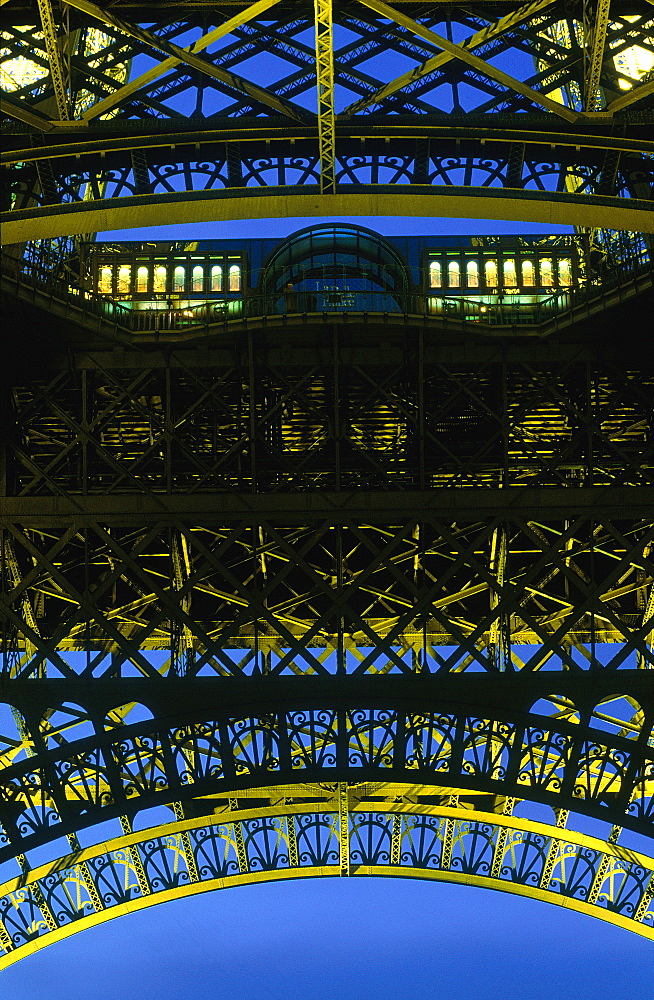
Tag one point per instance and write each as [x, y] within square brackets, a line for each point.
[323, 590]
[542, 113]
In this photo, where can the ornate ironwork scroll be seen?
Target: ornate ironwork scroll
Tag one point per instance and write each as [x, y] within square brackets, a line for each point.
[384, 838]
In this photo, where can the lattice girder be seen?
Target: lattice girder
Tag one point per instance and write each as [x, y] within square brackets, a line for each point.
[377, 595]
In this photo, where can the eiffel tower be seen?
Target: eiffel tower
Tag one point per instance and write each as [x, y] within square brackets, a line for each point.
[334, 554]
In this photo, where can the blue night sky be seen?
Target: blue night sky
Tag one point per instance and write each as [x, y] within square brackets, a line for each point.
[341, 939]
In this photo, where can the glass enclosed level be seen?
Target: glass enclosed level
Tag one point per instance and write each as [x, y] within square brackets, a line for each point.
[339, 268]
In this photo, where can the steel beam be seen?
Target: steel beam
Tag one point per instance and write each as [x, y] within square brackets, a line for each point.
[460, 52]
[252, 90]
[325, 87]
[518, 16]
[306, 508]
[598, 43]
[132, 86]
[54, 58]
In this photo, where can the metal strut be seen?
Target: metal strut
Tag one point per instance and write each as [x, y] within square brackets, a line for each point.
[598, 38]
[56, 70]
[325, 84]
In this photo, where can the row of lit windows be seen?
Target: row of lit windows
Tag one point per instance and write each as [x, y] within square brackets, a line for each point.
[149, 279]
[541, 273]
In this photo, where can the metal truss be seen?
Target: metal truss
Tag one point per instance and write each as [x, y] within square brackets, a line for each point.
[325, 407]
[391, 830]
[454, 134]
[294, 597]
[332, 594]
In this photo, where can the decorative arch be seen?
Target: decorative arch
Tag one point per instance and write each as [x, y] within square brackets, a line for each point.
[551, 759]
[336, 830]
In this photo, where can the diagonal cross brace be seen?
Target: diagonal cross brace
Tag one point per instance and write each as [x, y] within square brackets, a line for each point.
[132, 86]
[459, 52]
[243, 86]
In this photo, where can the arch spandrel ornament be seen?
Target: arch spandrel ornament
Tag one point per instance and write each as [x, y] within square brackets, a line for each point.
[298, 831]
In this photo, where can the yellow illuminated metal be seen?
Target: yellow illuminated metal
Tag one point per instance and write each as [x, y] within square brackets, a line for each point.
[325, 85]
[460, 52]
[597, 54]
[102, 108]
[436, 203]
[518, 16]
[54, 58]
[339, 801]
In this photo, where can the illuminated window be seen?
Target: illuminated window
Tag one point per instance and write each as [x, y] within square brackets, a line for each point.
[198, 278]
[124, 279]
[490, 270]
[435, 274]
[160, 278]
[453, 274]
[546, 273]
[234, 278]
[509, 274]
[565, 273]
[142, 279]
[528, 276]
[216, 278]
[179, 278]
[472, 274]
[104, 285]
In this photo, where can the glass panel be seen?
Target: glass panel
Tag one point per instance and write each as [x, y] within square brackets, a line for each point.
[198, 278]
[104, 284]
[565, 272]
[490, 270]
[160, 278]
[472, 273]
[509, 274]
[235, 278]
[216, 278]
[546, 273]
[179, 278]
[528, 276]
[435, 274]
[124, 279]
[453, 274]
[142, 275]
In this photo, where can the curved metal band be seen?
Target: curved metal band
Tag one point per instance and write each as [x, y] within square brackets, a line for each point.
[441, 843]
[560, 764]
[449, 201]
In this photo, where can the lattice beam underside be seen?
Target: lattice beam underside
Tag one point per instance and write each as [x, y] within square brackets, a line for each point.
[455, 133]
[423, 595]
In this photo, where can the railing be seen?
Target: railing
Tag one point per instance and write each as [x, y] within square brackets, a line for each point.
[507, 309]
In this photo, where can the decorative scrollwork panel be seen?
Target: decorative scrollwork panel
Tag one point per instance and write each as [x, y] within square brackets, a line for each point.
[525, 857]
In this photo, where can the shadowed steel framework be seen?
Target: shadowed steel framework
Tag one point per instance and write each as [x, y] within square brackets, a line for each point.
[334, 554]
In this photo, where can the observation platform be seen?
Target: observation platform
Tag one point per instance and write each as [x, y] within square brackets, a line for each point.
[493, 285]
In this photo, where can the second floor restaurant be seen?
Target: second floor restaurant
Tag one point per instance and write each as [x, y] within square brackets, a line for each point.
[493, 282]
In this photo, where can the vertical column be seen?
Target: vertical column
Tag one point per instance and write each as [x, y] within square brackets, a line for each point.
[325, 84]
[344, 827]
[54, 58]
[596, 42]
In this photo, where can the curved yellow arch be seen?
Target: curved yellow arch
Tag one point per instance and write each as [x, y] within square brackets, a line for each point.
[140, 211]
[599, 871]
